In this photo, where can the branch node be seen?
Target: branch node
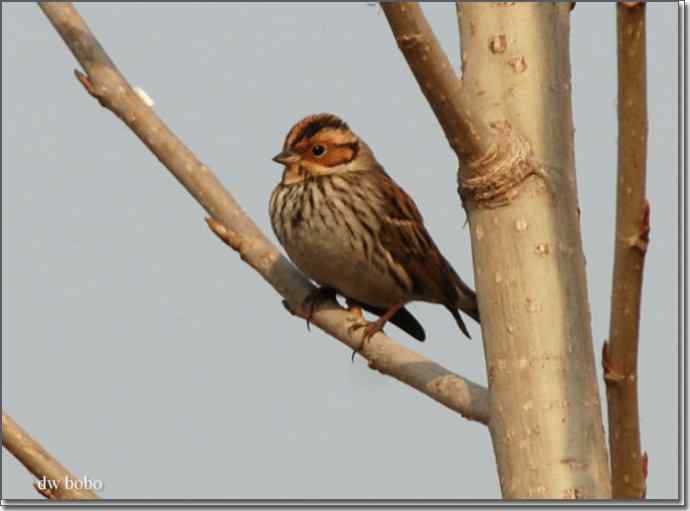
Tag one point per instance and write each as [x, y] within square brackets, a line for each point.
[642, 239]
[491, 180]
[86, 82]
[613, 377]
[610, 376]
[231, 238]
[409, 41]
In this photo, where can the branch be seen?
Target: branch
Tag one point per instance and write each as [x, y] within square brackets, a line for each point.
[458, 115]
[494, 158]
[619, 359]
[41, 464]
[232, 224]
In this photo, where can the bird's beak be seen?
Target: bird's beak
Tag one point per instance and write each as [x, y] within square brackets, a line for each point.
[286, 157]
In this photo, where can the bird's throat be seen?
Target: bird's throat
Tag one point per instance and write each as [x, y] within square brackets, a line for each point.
[294, 174]
[298, 172]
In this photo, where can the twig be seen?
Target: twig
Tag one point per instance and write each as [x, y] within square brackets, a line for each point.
[105, 83]
[42, 465]
[628, 464]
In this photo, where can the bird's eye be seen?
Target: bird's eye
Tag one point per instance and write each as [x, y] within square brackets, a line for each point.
[318, 150]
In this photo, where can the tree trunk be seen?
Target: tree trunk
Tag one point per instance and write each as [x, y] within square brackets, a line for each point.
[545, 414]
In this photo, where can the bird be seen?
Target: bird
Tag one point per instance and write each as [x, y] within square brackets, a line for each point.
[347, 225]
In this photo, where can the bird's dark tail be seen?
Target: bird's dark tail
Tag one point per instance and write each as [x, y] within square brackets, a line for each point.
[403, 319]
[459, 320]
[466, 301]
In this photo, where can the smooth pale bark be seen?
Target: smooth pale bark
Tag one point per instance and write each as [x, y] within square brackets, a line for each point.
[545, 414]
[628, 464]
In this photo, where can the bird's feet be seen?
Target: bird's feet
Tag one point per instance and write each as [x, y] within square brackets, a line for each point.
[371, 327]
[314, 299]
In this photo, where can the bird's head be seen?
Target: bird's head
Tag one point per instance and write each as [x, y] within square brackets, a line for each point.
[321, 144]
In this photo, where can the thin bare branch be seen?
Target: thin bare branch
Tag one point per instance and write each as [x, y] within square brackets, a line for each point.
[42, 465]
[462, 123]
[231, 223]
[628, 464]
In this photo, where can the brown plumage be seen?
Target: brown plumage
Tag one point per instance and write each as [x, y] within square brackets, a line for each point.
[346, 224]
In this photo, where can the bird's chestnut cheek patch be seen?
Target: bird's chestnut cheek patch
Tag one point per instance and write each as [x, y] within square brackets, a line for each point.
[336, 156]
[314, 167]
[328, 156]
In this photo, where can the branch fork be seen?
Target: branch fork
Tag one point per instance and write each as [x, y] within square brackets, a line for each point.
[493, 179]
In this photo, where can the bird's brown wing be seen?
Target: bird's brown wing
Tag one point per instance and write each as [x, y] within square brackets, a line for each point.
[403, 235]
